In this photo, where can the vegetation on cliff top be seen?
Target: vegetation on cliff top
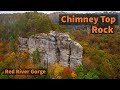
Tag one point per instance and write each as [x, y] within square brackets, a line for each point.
[26, 24]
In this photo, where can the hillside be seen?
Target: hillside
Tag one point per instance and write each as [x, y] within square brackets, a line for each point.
[25, 24]
[100, 57]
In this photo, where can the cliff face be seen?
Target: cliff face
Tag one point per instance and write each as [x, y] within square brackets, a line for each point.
[55, 48]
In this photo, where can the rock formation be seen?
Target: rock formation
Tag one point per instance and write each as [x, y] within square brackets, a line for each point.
[55, 48]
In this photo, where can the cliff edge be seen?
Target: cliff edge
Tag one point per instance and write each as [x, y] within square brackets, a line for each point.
[55, 47]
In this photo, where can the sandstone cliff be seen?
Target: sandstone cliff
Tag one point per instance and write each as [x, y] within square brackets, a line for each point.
[55, 48]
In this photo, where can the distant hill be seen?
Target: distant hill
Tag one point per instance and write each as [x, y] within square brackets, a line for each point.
[25, 24]
[55, 19]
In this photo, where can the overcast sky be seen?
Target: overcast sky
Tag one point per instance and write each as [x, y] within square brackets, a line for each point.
[48, 12]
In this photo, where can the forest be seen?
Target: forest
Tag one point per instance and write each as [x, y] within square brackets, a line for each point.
[101, 52]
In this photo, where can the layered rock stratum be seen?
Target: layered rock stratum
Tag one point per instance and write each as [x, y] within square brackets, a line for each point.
[55, 47]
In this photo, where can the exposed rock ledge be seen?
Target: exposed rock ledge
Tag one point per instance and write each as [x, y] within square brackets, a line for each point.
[55, 47]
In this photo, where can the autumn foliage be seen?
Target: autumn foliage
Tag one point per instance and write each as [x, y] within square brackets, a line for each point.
[59, 72]
[101, 52]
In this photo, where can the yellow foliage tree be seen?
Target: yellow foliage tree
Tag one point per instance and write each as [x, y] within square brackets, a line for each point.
[56, 71]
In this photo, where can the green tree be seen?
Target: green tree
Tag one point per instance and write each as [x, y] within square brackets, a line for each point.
[92, 74]
[3, 76]
[82, 73]
[36, 56]
[12, 43]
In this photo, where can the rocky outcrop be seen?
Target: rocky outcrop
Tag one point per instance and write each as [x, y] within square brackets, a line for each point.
[55, 48]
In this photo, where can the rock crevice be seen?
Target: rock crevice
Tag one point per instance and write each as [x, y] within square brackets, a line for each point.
[55, 48]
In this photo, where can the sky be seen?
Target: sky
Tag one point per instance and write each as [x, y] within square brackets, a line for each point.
[48, 12]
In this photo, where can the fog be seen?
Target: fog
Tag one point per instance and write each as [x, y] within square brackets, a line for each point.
[48, 12]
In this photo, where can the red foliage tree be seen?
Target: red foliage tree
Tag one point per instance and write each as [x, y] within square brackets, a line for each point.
[67, 70]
